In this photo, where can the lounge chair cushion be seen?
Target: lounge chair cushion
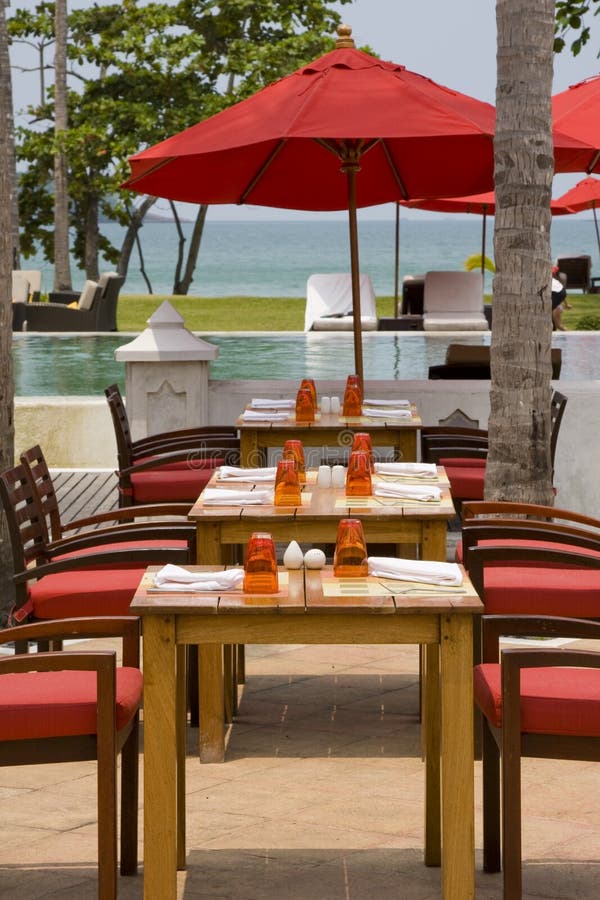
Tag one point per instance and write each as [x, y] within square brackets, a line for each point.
[553, 700]
[329, 303]
[344, 323]
[90, 592]
[20, 289]
[54, 704]
[453, 301]
[87, 295]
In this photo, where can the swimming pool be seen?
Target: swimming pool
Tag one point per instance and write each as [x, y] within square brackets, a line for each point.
[83, 365]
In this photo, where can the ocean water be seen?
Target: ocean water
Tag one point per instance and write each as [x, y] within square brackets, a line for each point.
[275, 258]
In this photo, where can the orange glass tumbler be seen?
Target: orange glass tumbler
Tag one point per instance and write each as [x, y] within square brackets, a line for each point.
[352, 405]
[293, 449]
[287, 485]
[260, 569]
[362, 441]
[305, 408]
[310, 384]
[358, 477]
[350, 557]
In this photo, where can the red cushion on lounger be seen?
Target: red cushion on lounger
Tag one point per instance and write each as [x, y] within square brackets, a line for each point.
[553, 700]
[89, 592]
[473, 462]
[466, 483]
[173, 486]
[53, 704]
[542, 591]
[124, 545]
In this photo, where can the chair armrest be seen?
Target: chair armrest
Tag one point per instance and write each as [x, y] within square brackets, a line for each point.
[496, 626]
[183, 435]
[231, 456]
[129, 515]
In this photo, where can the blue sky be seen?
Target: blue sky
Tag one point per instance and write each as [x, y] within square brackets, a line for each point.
[451, 41]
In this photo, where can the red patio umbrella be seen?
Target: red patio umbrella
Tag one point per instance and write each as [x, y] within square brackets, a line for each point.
[575, 114]
[585, 195]
[343, 132]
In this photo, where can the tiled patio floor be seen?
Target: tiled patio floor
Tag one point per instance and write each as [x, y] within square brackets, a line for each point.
[321, 798]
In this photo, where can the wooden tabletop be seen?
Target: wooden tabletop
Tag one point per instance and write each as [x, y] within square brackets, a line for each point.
[335, 420]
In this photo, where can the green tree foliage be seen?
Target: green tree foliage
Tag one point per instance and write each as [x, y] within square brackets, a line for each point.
[139, 73]
[571, 23]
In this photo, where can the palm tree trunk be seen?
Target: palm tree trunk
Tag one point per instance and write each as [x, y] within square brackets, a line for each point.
[519, 466]
[8, 245]
[62, 263]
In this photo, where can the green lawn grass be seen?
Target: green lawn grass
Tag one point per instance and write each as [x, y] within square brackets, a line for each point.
[210, 314]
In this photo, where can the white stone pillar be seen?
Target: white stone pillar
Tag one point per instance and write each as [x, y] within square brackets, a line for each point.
[166, 375]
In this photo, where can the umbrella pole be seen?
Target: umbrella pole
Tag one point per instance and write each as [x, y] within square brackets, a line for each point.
[351, 169]
[596, 224]
[483, 245]
[397, 261]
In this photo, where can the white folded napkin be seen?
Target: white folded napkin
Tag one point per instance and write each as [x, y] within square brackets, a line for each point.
[218, 497]
[410, 470]
[174, 578]
[388, 413]
[420, 570]
[255, 415]
[264, 403]
[237, 473]
[425, 492]
[396, 403]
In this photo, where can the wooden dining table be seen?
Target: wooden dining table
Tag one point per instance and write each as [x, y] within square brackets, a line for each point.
[328, 434]
[312, 607]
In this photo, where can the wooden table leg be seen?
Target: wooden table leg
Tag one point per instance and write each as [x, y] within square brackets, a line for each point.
[406, 447]
[181, 708]
[212, 698]
[250, 455]
[458, 838]
[430, 737]
[434, 540]
[160, 759]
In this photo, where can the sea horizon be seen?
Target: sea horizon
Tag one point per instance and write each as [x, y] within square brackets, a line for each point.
[274, 258]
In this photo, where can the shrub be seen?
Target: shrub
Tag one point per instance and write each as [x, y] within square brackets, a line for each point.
[590, 322]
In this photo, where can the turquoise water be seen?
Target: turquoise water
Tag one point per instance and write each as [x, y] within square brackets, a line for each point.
[56, 365]
[274, 259]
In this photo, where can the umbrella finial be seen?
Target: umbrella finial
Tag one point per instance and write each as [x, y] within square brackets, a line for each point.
[345, 38]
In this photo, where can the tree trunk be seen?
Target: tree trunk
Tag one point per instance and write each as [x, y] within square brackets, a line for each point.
[135, 223]
[194, 249]
[519, 466]
[62, 262]
[92, 235]
[7, 248]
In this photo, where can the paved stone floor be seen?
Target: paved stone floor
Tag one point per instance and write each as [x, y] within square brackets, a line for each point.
[320, 798]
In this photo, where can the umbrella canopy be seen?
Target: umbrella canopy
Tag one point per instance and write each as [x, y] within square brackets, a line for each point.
[346, 131]
[585, 195]
[575, 114]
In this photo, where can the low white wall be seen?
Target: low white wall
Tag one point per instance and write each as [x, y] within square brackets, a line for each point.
[77, 432]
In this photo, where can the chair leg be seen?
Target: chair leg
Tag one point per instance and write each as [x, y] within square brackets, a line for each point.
[107, 823]
[511, 810]
[129, 801]
[491, 801]
[192, 685]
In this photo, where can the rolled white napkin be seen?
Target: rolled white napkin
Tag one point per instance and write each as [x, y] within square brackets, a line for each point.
[407, 491]
[265, 403]
[237, 473]
[420, 570]
[217, 497]
[399, 404]
[255, 415]
[174, 578]
[411, 469]
[387, 413]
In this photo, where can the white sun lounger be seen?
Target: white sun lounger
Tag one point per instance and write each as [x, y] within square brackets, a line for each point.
[329, 303]
[453, 301]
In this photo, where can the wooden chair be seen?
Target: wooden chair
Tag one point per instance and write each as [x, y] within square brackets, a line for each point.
[463, 452]
[170, 466]
[541, 703]
[77, 705]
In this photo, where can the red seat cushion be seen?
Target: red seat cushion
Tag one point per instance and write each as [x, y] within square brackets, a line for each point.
[466, 482]
[473, 462]
[55, 704]
[124, 545]
[89, 592]
[162, 486]
[184, 465]
[553, 700]
[542, 591]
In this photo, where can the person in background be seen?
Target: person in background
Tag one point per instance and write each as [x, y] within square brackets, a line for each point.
[559, 300]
